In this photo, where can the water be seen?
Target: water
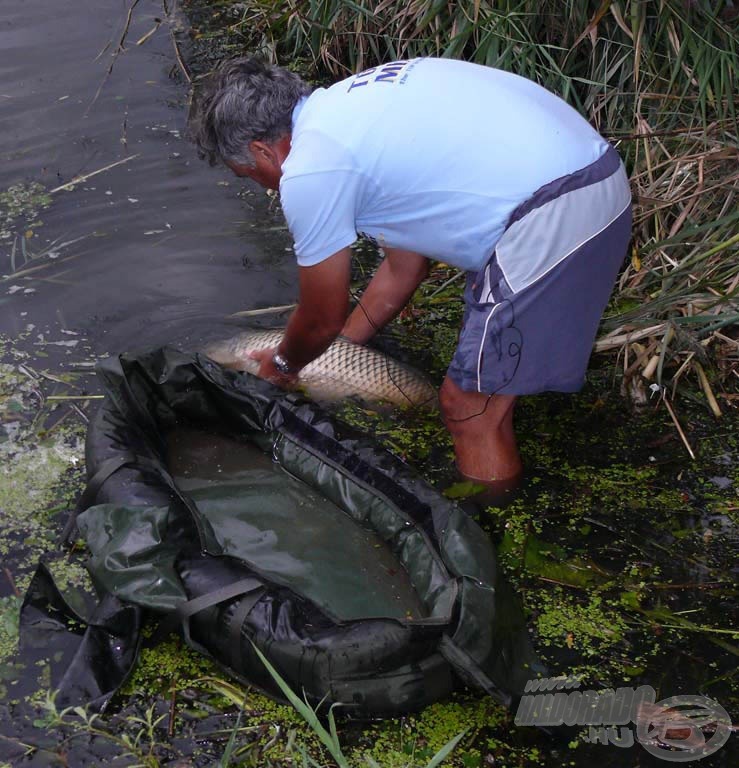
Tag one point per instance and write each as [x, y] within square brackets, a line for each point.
[289, 531]
[154, 250]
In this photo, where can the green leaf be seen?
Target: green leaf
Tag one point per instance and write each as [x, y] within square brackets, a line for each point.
[229, 691]
[332, 726]
[228, 751]
[630, 600]
[463, 490]
[445, 751]
[550, 561]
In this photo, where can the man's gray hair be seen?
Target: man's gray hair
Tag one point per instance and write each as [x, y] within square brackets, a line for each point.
[244, 100]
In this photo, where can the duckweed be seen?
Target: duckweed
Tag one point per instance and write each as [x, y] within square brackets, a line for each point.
[20, 204]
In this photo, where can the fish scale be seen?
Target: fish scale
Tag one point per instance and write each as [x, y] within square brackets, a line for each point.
[344, 370]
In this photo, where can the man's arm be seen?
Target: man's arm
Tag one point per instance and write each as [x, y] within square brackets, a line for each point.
[318, 318]
[321, 310]
[397, 277]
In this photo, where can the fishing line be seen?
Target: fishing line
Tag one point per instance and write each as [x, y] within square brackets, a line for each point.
[390, 375]
[387, 360]
[474, 415]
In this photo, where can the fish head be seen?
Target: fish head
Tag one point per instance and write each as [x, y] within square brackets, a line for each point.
[233, 353]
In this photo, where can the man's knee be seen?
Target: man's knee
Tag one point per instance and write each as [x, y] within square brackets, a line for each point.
[454, 401]
[459, 407]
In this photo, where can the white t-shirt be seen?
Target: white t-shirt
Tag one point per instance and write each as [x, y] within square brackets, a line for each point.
[429, 155]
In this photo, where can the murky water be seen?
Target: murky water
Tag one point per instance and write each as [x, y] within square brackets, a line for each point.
[159, 248]
[288, 530]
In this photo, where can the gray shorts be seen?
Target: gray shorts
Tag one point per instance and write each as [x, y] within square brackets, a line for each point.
[532, 311]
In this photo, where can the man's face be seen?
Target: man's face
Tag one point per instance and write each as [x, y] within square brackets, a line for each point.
[267, 168]
[258, 173]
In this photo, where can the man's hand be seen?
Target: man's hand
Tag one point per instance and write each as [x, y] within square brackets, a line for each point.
[315, 323]
[268, 371]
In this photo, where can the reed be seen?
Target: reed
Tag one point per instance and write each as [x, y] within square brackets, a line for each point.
[659, 79]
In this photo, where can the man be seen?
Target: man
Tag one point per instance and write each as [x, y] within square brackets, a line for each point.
[436, 159]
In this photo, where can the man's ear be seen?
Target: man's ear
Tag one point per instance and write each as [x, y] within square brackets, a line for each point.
[263, 150]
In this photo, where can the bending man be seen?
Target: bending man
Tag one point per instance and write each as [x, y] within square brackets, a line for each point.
[436, 159]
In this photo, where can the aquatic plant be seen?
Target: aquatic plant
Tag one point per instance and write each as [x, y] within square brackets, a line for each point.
[9, 616]
[21, 203]
[40, 473]
[140, 746]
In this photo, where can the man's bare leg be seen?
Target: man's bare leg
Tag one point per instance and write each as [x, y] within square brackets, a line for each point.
[481, 427]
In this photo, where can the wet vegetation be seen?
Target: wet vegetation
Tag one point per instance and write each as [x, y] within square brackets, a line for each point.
[621, 548]
[622, 542]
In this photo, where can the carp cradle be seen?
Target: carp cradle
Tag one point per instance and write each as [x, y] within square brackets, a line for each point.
[155, 552]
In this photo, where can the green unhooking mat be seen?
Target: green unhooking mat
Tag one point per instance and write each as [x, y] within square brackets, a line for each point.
[247, 518]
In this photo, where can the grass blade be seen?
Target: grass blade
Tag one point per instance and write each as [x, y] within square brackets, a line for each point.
[445, 751]
[307, 712]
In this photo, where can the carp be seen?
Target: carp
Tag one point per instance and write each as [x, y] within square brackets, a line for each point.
[344, 370]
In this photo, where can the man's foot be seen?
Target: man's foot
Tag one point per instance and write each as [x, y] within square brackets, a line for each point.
[496, 493]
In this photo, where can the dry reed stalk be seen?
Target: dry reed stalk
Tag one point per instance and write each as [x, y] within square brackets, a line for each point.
[621, 340]
[678, 427]
[79, 179]
[119, 49]
[706, 387]
[681, 370]
[263, 311]
[149, 34]
[75, 397]
[650, 368]
[170, 12]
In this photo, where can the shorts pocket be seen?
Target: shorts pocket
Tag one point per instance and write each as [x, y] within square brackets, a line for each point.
[501, 345]
[489, 347]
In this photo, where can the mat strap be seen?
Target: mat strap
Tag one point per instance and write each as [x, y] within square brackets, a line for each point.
[250, 587]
